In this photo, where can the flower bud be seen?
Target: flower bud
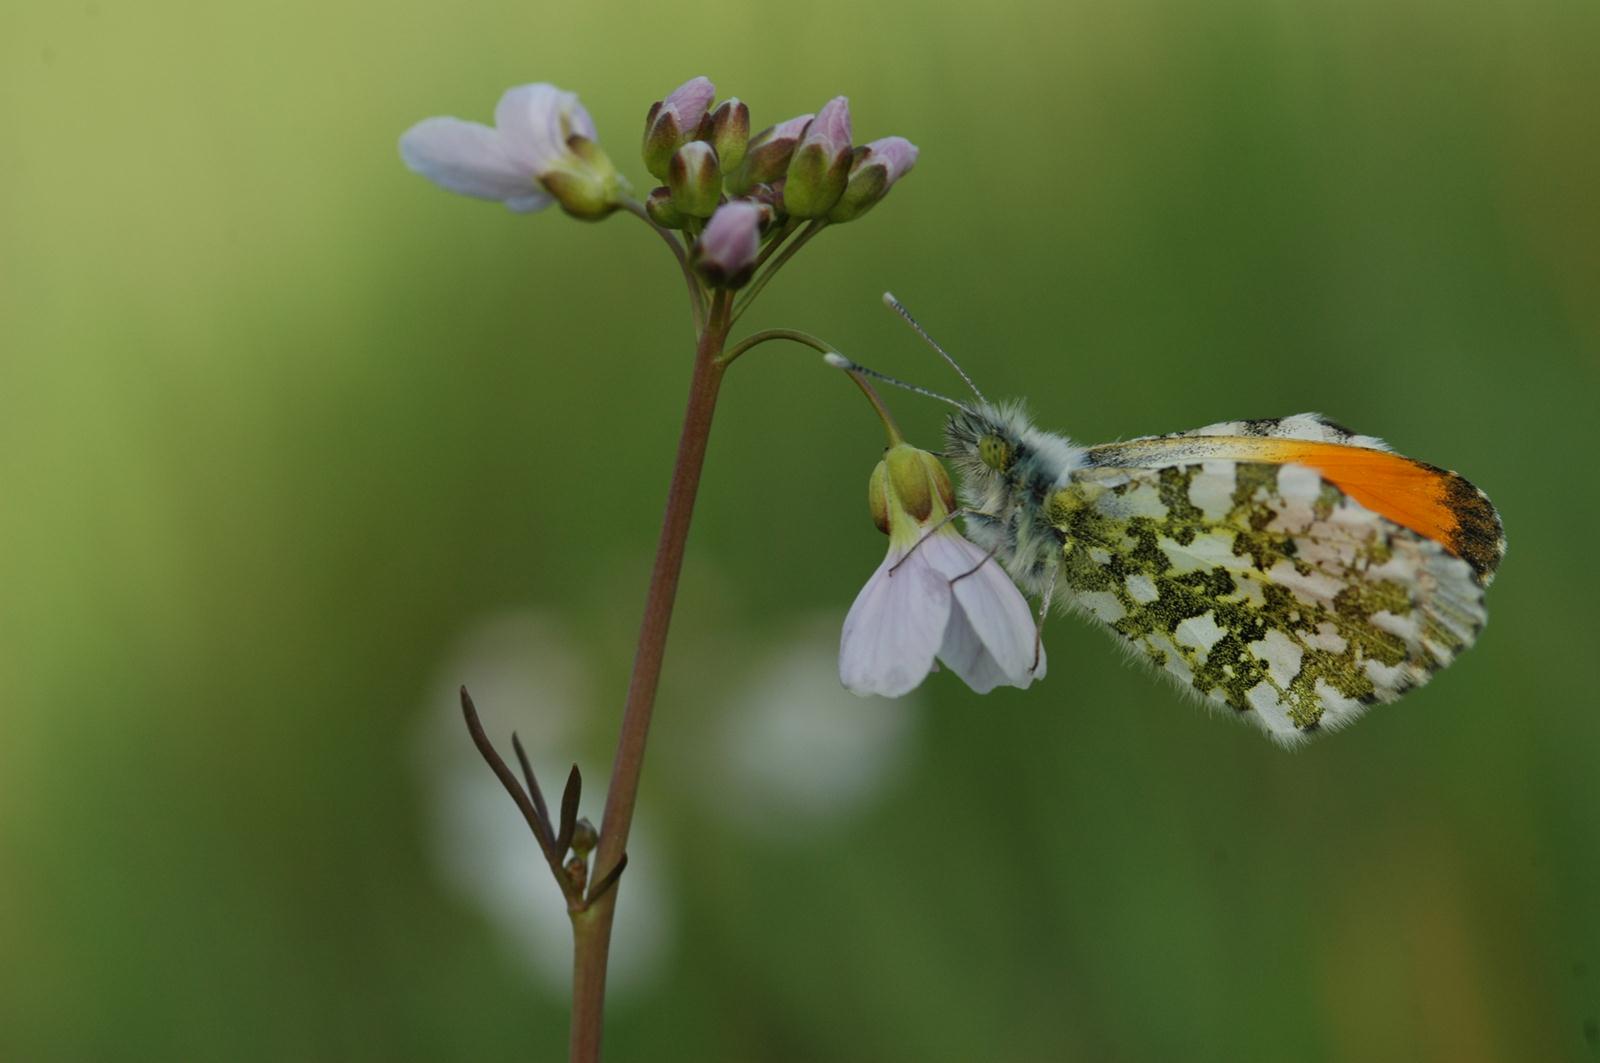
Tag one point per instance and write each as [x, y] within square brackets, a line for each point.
[725, 254]
[730, 132]
[587, 184]
[584, 837]
[916, 480]
[767, 156]
[662, 212]
[874, 169]
[820, 167]
[878, 496]
[674, 120]
[695, 179]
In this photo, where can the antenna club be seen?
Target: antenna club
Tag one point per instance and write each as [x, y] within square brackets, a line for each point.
[838, 361]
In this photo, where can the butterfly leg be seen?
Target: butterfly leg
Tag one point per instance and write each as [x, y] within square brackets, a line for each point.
[946, 519]
[988, 557]
[1044, 611]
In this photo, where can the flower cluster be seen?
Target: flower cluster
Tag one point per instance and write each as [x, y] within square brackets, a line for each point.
[728, 192]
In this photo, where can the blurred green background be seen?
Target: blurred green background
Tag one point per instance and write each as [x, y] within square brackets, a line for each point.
[293, 442]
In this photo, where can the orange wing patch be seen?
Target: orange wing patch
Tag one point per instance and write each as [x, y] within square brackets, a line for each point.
[1431, 501]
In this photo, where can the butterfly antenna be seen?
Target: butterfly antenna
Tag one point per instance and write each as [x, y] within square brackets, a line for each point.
[839, 361]
[898, 307]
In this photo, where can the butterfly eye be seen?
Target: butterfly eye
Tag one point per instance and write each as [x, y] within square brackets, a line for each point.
[995, 452]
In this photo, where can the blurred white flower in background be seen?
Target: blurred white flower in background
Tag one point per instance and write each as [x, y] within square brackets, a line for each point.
[527, 675]
[794, 750]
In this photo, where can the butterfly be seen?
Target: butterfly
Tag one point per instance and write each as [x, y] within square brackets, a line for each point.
[1288, 570]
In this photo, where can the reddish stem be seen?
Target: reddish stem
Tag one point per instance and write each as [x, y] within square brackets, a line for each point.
[591, 927]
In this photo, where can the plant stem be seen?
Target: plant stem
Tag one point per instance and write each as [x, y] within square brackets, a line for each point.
[591, 927]
[696, 301]
[756, 339]
[766, 275]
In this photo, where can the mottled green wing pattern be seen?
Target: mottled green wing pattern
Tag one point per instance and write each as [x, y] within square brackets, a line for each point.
[1263, 587]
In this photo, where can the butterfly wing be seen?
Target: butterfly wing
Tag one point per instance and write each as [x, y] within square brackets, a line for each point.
[1294, 578]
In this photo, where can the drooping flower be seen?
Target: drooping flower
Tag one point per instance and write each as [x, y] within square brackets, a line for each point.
[542, 150]
[936, 595]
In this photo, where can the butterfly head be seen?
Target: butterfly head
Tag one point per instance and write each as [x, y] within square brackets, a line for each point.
[985, 444]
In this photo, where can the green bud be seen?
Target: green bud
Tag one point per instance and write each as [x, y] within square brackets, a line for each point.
[820, 167]
[730, 132]
[767, 155]
[916, 478]
[815, 182]
[695, 178]
[584, 837]
[864, 187]
[661, 138]
[878, 496]
[874, 168]
[662, 212]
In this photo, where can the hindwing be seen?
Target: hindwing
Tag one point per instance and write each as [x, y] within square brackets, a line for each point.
[1265, 585]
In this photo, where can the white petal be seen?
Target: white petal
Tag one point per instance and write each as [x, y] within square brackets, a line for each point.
[578, 119]
[529, 203]
[536, 121]
[994, 611]
[894, 629]
[964, 653]
[471, 159]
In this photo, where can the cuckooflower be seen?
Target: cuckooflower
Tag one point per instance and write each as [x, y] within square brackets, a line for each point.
[936, 595]
[542, 150]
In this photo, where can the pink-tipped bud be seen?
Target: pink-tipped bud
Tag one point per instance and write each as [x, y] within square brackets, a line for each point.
[874, 169]
[695, 179]
[767, 157]
[674, 120]
[820, 167]
[725, 254]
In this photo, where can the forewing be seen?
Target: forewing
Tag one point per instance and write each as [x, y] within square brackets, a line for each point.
[1263, 586]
